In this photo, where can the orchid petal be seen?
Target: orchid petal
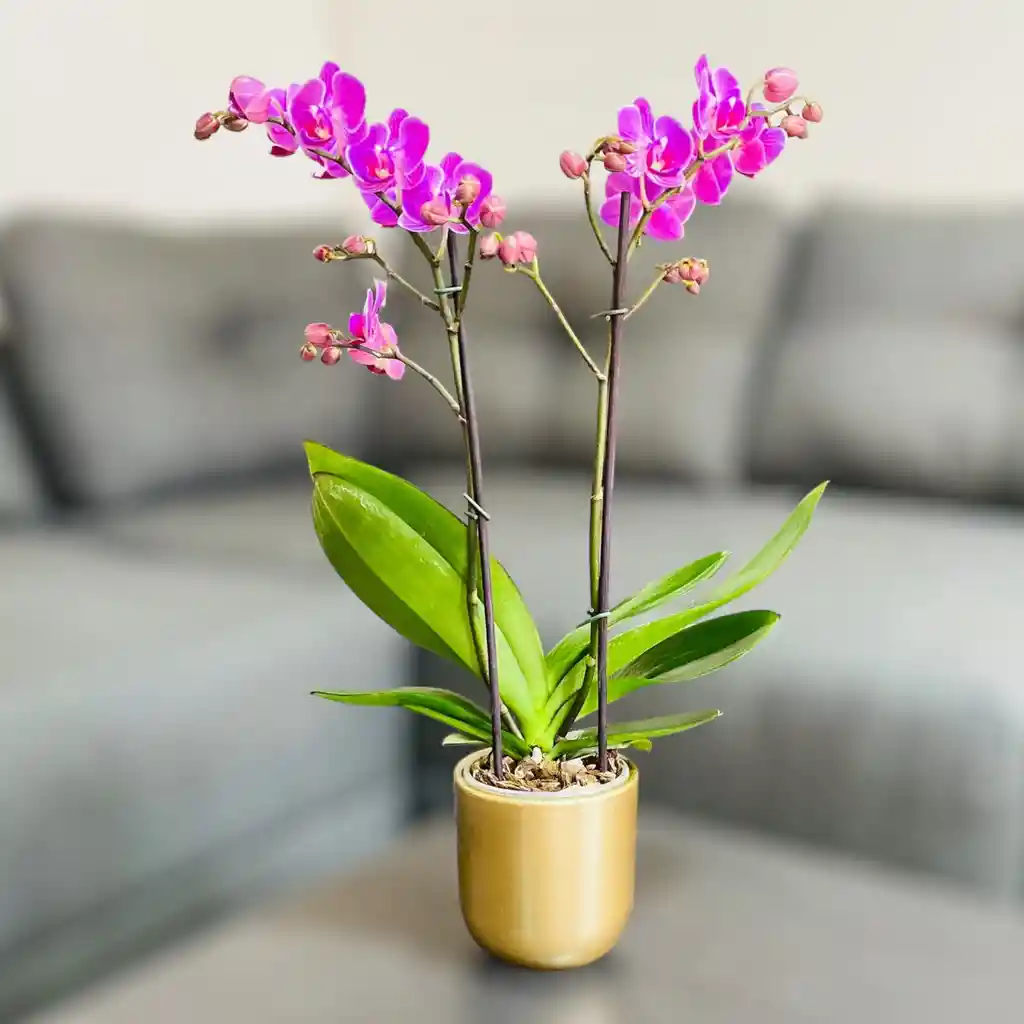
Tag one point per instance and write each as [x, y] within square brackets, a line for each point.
[363, 358]
[348, 94]
[394, 125]
[328, 71]
[414, 138]
[630, 124]
[646, 117]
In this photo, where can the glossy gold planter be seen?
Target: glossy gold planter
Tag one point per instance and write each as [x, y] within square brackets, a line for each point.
[546, 879]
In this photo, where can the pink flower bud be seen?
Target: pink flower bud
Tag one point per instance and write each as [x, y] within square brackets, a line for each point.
[572, 164]
[794, 126]
[330, 355]
[355, 245]
[435, 211]
[527, 246]
[492, 211]
[689, 272]
[323, 253]
[206, 125]
[614, 162]
[319, 335]
[489, 245]
[812, 112]
[780, 84]
[308, 352]
[624, 147]
[235, 124]
[467, 190]
[508, 251]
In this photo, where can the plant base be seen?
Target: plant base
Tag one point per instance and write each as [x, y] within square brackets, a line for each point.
[546, 879]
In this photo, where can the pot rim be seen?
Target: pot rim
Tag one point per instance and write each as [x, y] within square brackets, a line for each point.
[465, 781]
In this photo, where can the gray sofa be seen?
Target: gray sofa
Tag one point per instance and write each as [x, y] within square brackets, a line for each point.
[166, 607]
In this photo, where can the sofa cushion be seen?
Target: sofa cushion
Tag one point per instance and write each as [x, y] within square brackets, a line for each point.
[155, 725]
[687, 361]
[925, 263]
[151, 360]
[884, 714]
[916, 404]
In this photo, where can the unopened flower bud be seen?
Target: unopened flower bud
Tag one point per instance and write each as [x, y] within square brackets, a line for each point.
[235, 124]
[689, 272]
[435, 211]
[624, 147]
[492, 211]
[467, 190]
[324, 253]
[489, 245]
[794, 126]
[508, 251]
[780, 84]
[812, 112]
[356, 245]
[330, 355]
[206, 125]
[527, 246]
[308, 352]
[319, 335]
[572, 164]
[614, 162]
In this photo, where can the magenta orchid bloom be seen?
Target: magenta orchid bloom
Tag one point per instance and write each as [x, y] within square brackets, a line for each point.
[713, 177]
[719, 108]
[760, 146]
[368, 331]
[282, 141]
[328, 114]
[440, 183]
[663, 147]
[248, 99]
[668, 220]
[390, 155]
[380, 212]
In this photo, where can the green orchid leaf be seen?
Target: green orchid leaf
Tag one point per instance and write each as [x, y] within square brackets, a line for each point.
[445, 706]
[623, 733]
[628, 646]
[405, 556]
[570, 648]
[458, 739]
[691, 653]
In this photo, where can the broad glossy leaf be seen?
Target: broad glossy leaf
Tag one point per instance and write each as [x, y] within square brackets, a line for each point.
[571, 647]
[405, 556]
[445, 706]
[690, 654]
[630, 645]
[627, 733]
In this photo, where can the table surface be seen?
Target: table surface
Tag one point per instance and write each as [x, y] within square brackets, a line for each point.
[727, 928]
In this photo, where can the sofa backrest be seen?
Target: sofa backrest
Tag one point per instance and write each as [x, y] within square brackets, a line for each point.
[146, 361]
[901, 363]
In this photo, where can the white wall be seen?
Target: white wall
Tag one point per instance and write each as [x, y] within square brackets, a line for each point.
[101, 95]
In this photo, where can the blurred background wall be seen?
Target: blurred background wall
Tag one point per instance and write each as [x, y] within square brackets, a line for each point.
[916, 94]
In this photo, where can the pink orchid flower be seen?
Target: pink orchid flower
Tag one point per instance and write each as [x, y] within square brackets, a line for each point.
[369, 332]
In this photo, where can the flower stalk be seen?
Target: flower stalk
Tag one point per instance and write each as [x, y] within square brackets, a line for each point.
[478, 517]
[599, 623]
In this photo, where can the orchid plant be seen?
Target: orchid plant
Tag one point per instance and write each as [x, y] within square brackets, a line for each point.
[417, 565]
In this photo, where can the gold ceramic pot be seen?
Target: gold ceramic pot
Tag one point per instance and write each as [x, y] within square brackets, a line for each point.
[546, 879]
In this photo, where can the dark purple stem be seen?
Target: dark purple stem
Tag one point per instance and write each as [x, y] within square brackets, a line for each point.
[483, 534]
[608, 480]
